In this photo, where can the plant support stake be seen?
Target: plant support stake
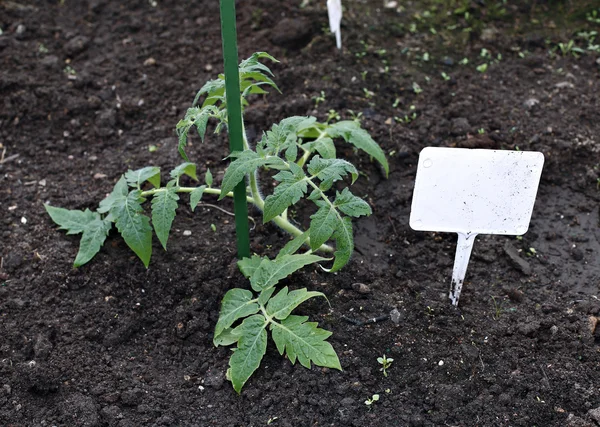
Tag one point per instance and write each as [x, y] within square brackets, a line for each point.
[234, 119]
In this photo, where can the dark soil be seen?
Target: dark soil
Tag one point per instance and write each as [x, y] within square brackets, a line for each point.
[87, 86]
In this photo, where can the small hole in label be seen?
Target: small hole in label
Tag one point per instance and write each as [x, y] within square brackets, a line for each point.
[427, 163]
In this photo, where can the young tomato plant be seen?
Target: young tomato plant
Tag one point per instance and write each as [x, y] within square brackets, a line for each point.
[302, 150]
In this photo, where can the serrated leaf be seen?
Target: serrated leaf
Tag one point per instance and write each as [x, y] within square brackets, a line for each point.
[73, 221]
[249, 265]
[293, 186]
[186, 168]
[270, 272]
[196, 196]
[330, 170]
[164, 205]
[195, 116]
[138, 177]
[293, 245]
[133, 225]
[237, 303]
[208, 178]
[119, 192]
[283, 136]
[227, 337]
[245, 162]
[282, 304]
[92, 240]
[323, 145]
[304, 341]
[322, 224]
[264, 296]
[344, 244]
[250, 350]
[351, 131]
[351, 205]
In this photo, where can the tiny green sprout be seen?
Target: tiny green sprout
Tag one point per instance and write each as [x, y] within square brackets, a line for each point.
[385, 364]
[332, 115]
[482, 68]
[152, 148]
[370, 401]
[598, 184]
[464, 61]
[368, 93]
[396, 103]
[388, 391]
[445, 76]
[70, 71]
[416, 88]
[363, 75]
[271, 420]
[481, 131]
[355, 116]
[213, 228]
[425, 57]
[42, 49]
[319, 99]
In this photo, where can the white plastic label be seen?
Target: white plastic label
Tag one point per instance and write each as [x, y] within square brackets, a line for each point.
[472, 192]
[334, 10]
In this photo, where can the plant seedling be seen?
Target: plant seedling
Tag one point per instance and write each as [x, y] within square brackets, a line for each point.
[385, 364]
[473, 192]
[303, 152]
[371, 401]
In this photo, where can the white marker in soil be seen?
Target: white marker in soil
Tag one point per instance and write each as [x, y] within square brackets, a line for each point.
[334, 10]
[473, 192]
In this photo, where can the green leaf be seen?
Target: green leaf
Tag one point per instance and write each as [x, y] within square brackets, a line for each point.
[293, 245]
[138, 177]
[293, 186]
[264, 296]
[208, 178]
[195, 116]
[351, 205]
[73, 221]
[322, 224]
[92, 240]
[196, 196]
[282, 304]
[351, 131]
[119, 191]
[164, 205]
[344, 244]
[269, 273]
[245, 162]
[305, 342]
[186, 168]
[250, 350]
[133, 225]
[323, 145]
[283, 136]
[330, 170]
[249, 265]
[237, 303]
[227, 337]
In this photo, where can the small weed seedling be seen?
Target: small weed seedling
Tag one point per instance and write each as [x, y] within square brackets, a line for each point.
[385, 364]
[371, 401]
[303, 152]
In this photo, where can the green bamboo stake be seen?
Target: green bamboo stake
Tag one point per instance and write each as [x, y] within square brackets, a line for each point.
[234, 119]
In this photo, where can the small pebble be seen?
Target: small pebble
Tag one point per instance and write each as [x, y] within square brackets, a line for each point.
[441, 363]
[150, 61]
[187, 233]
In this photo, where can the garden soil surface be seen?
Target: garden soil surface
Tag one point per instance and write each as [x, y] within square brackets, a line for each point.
[92, 88]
